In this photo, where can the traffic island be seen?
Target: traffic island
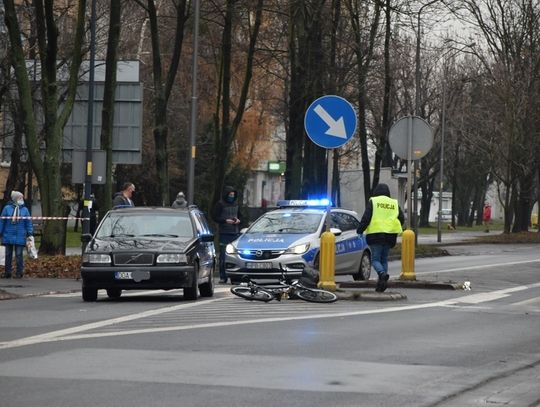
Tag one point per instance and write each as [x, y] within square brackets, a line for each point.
[396, 283]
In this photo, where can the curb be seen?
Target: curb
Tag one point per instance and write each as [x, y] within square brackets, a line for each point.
[395, 283]
[361, 295]
[4, 295]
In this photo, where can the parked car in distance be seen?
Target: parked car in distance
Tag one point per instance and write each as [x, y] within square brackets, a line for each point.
[150, 248]
[289, 237]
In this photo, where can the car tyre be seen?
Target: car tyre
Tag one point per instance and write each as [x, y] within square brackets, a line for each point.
[364, 271]
[114, 293]
[207, 289]
[89, 294]
[191, 293]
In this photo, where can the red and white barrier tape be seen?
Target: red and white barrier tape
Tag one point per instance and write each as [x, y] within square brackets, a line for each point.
[44, 217]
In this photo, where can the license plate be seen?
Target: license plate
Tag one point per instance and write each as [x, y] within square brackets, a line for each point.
[136, 275]
[123, 275]
[258, 266]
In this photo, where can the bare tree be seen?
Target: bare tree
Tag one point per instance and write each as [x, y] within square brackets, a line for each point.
[163, 78]
[225, 126]
[511, 59]
[57, 106]
[107, 113]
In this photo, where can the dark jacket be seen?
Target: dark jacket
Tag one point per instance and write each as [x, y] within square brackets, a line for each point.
[378, 238]
[15, 232]
[223, 210]
[120, 200]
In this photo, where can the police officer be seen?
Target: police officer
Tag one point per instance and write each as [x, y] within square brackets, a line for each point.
[382, 221]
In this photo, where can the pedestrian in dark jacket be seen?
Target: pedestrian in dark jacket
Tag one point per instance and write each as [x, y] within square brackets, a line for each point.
[227, 215]
[93, 212]
[14, 232]
[382, 221]
[180, 201]
[123, 198]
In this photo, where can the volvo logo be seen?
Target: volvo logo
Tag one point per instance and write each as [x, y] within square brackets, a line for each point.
[259, 253]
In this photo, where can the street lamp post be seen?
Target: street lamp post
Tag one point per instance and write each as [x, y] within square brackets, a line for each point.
[86, 236]
[417, 112]
[441, 176]
[194, 96]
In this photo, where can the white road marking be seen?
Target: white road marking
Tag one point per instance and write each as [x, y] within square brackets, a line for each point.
[535, 301]
[54, 335]
[77, 331]
[512, 263]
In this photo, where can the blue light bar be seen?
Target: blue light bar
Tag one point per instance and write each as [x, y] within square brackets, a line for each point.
[304, 202]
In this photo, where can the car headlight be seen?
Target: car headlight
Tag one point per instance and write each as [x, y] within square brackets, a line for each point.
[171, 258]
[230, 249]
[298, 249]
[96, 258]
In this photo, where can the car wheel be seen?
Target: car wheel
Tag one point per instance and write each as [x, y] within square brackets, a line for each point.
[316, 262]
[191, 293]
[89, 294]
[364, 270]
[114, 293]
[207, 289]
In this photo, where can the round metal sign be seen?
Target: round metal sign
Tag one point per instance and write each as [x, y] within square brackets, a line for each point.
[421, 133]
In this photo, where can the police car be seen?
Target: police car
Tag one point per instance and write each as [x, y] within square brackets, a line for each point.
[289, 237]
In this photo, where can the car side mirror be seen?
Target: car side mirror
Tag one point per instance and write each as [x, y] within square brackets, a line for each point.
[243, 230]
[207, 238]
[336, 231]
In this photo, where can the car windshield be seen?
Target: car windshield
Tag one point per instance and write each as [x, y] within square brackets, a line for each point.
[154, 225]
[287, 223]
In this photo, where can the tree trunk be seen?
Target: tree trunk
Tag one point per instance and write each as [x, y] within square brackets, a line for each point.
[162, 91]
[107, 114]
[56, 112]
[225, 131]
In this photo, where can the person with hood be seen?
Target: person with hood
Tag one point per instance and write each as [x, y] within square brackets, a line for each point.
[14, 231]
[123, 198]
[382, 221]
[227, 215]
[180, 201]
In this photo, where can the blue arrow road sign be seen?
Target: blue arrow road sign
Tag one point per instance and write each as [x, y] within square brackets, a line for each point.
[330, 121]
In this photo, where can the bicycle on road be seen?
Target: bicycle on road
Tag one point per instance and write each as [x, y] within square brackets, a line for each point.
[285, 288]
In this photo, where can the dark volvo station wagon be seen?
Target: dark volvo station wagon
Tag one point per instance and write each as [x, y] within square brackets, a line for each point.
[150, 248]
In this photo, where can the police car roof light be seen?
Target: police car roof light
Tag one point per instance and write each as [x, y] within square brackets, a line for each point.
[304, 202]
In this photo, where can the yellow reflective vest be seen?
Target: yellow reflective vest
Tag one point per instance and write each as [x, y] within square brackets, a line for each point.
[384, 218]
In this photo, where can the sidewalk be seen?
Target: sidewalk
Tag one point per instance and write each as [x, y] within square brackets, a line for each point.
[33, 287]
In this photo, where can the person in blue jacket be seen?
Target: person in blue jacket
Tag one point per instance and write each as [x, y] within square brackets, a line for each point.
[14, 231]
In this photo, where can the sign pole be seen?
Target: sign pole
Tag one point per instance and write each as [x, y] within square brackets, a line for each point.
[330, 162]
[330, 121]
[87, 186]
[409, 170]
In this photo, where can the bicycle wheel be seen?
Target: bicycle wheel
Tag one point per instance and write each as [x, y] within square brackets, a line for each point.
[315, 295]
[252, 293]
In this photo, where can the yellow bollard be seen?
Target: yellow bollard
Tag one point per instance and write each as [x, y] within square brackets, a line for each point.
[407, 255]
[327, 261]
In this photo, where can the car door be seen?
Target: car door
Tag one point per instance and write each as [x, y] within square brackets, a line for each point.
[348, 243]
